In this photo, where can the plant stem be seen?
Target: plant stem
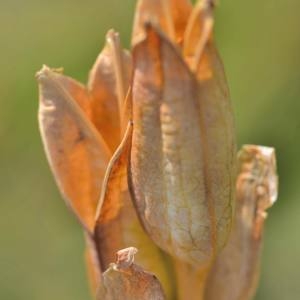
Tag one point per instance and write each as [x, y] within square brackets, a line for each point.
[190, 281]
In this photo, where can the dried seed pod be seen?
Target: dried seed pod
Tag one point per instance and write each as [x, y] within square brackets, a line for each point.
[76, 152]
[182, 166]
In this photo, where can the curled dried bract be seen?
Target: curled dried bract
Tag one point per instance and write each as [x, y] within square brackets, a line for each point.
[236, 270]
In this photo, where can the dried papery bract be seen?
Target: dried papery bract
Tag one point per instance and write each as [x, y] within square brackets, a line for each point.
[87, 136]
[108, 85]
[128, 281]
[183, 146]
[236, 270]
[75, 150]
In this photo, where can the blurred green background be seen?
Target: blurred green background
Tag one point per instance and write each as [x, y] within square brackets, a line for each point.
[41, 243]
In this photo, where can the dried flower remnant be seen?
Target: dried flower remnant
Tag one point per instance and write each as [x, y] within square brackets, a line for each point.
[128, 281]
[125, 257]
[239, 262]
[86, 133]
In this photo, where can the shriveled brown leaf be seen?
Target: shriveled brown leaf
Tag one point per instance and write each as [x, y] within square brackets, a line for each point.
[76, 152]
[108, 85]
[128, 281]
[236, 270]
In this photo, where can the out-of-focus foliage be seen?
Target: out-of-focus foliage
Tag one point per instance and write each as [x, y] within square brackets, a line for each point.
[260, 44]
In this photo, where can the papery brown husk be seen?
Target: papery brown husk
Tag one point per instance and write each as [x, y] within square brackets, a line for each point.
[236, 271]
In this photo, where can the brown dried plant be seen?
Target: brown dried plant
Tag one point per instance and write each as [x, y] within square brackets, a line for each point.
[145, 157]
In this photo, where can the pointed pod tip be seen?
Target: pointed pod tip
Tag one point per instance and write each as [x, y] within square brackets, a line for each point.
[205, 8]
[210, 4]
[149, 26]
[112, 34]
[42, 72]
[151, 29]
[46, 72]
